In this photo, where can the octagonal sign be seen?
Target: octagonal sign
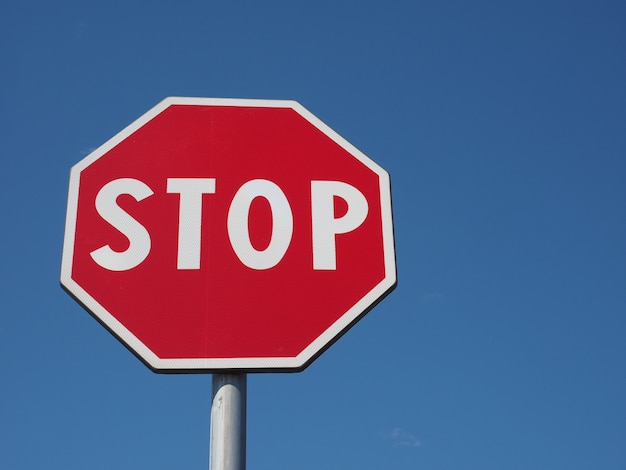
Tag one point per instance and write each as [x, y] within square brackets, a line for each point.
[216, 234]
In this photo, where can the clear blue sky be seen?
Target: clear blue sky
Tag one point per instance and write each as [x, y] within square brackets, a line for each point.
[503, 126]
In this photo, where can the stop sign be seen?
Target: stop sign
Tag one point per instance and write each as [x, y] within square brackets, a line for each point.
[215, 234]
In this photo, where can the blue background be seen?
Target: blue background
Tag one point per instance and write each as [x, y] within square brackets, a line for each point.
[502, 125]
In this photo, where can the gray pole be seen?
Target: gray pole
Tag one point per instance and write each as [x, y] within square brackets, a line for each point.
[227, 449]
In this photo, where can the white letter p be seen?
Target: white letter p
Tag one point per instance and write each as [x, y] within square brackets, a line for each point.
[326, 226]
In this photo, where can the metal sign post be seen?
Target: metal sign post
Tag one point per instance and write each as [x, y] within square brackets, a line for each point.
[228, 422]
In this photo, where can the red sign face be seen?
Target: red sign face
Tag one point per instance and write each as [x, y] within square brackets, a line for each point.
[219, 234]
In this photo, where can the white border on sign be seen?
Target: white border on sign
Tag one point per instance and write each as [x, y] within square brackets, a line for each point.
[249, 364]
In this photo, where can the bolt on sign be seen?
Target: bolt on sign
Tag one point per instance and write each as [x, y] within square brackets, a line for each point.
[228, 234]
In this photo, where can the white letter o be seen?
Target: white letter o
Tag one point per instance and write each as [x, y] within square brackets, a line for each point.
[239, 231]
